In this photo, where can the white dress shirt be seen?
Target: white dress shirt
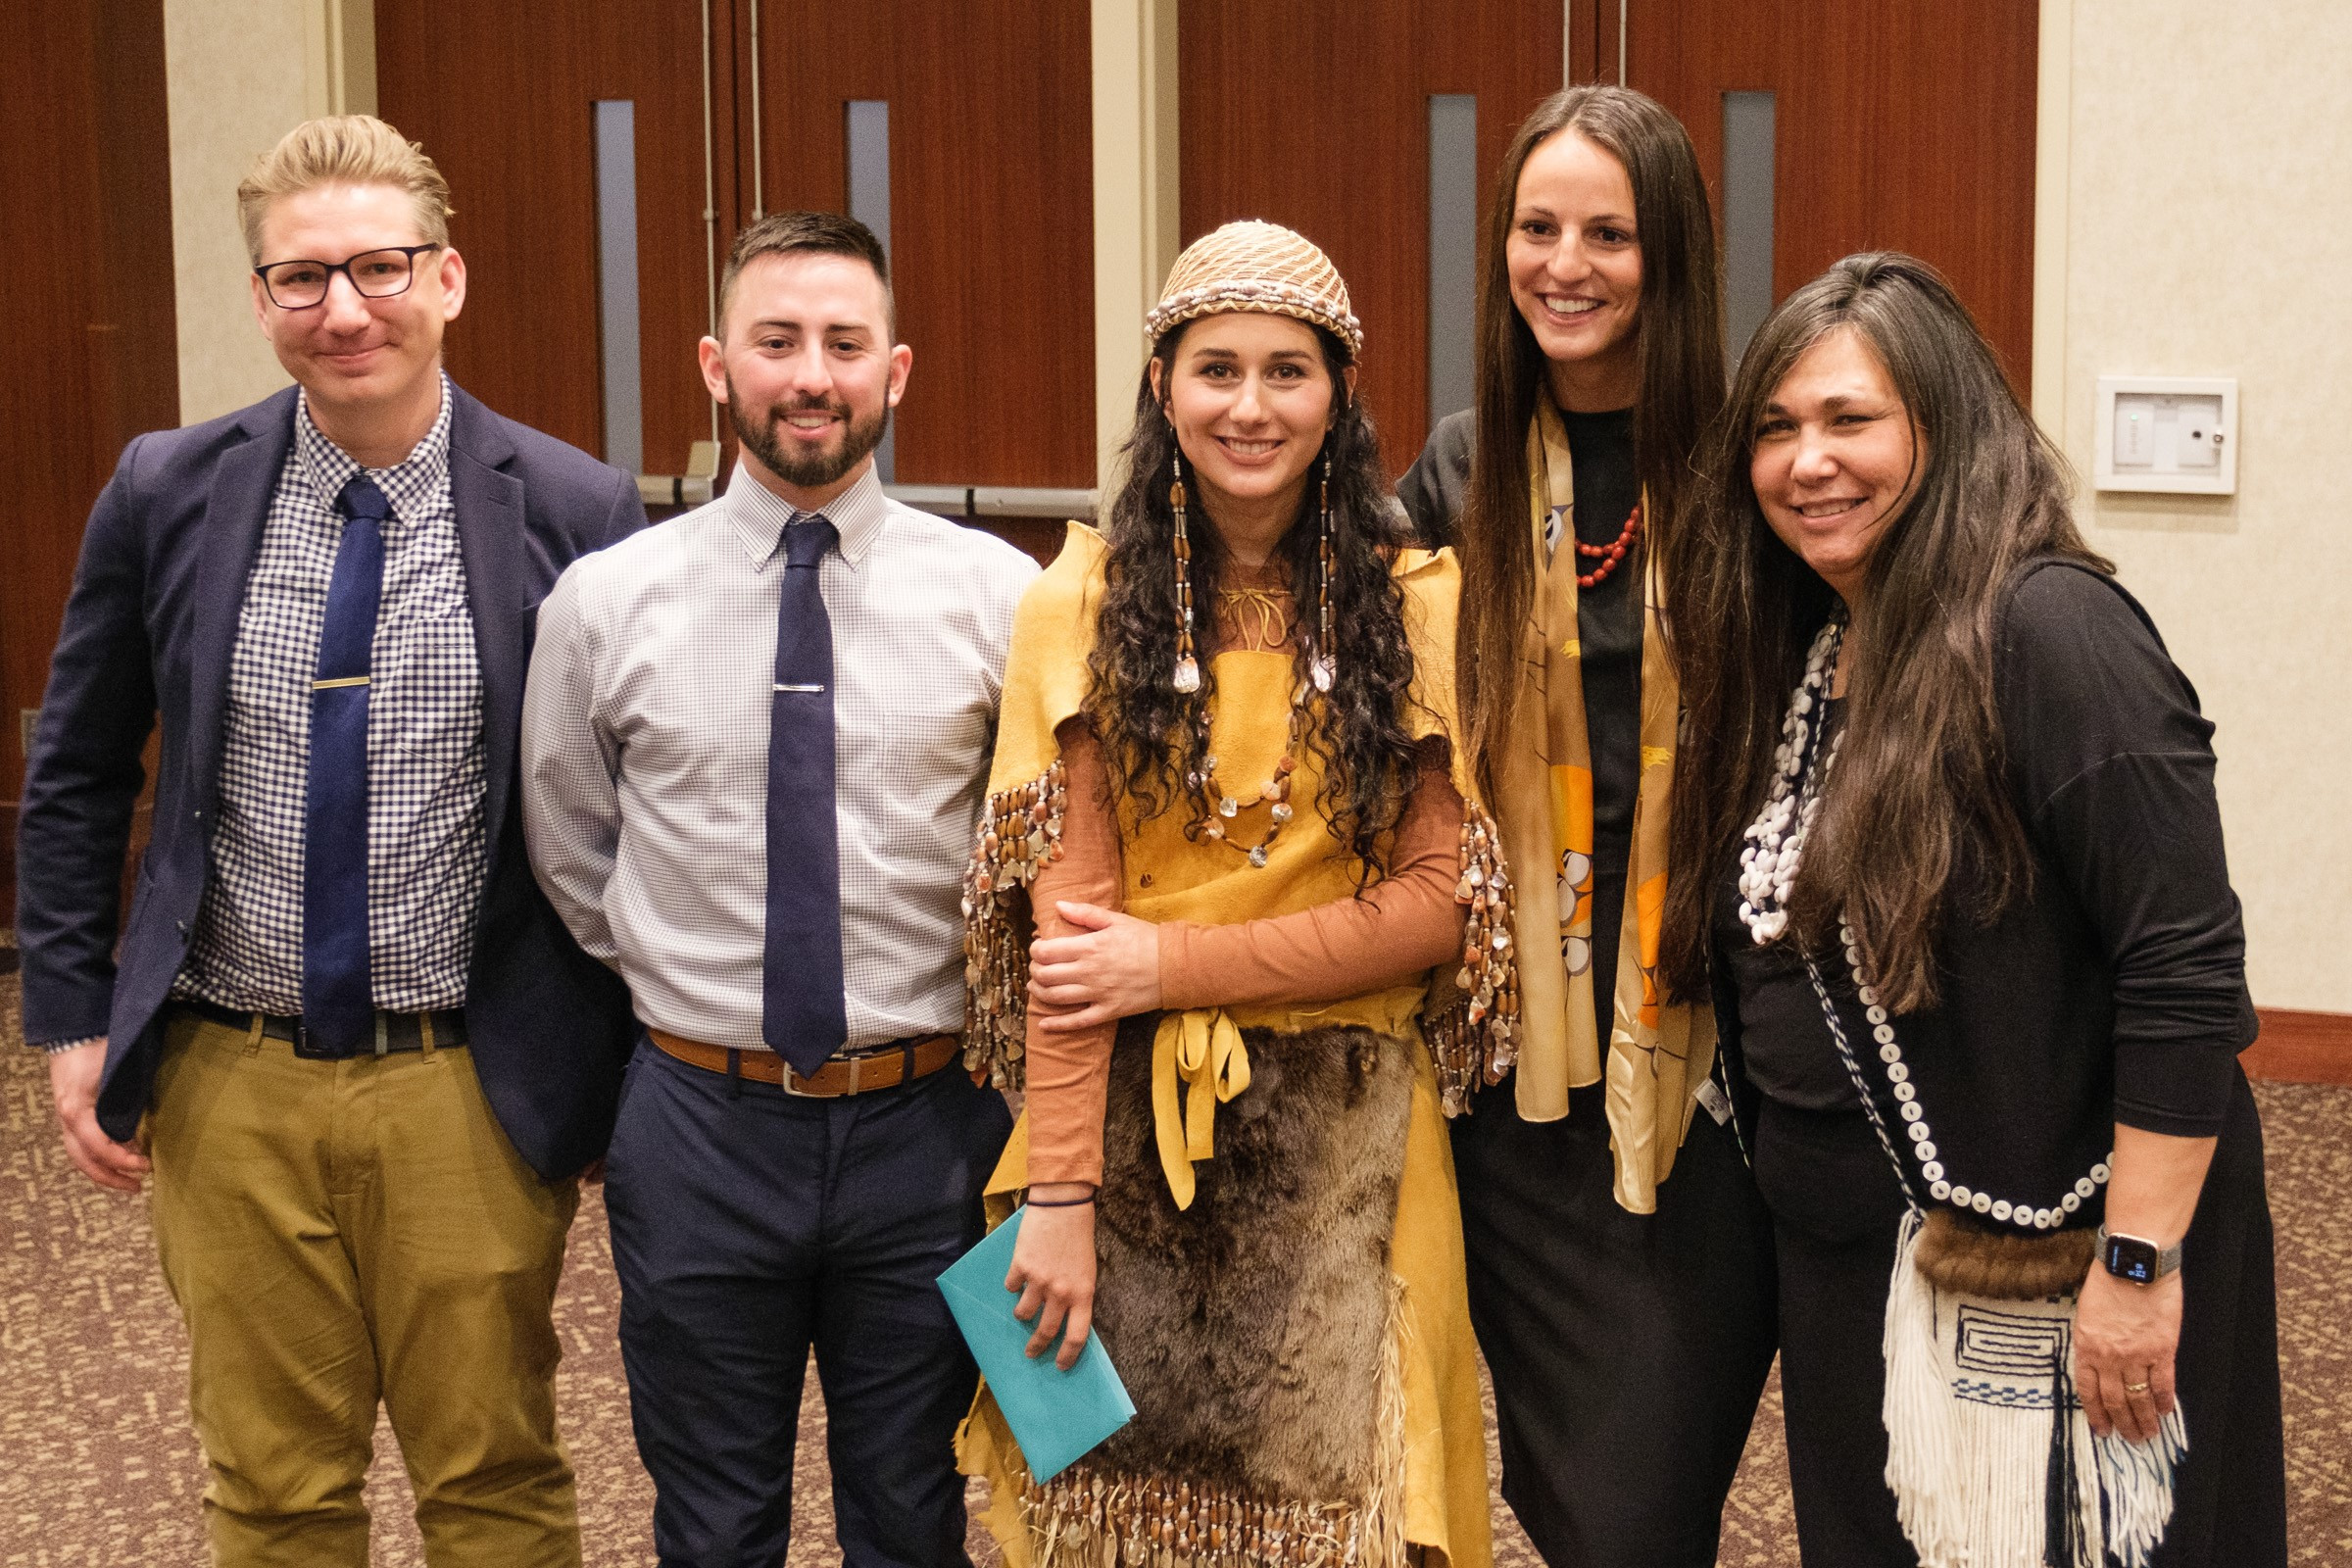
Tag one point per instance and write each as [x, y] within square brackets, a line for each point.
[645, 732]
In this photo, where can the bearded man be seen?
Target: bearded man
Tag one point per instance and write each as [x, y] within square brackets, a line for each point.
[755, 738]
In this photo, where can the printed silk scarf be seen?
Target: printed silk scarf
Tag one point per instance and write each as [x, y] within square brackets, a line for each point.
[1657, 1056]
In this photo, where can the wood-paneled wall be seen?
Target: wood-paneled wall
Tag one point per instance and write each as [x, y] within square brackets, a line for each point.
[1898, 126]
[992, 212]
[991, 202]
[91, 356]
[1315, 114]
[500, 97]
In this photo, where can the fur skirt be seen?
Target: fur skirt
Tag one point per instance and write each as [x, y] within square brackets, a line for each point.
[1257, 1331]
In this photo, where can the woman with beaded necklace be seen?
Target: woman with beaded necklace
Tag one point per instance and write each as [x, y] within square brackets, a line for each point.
[1619, 1261]
[1225, 800]
[1945, 840]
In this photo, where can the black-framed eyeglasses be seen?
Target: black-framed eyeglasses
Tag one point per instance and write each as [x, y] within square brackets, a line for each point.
[377, 274]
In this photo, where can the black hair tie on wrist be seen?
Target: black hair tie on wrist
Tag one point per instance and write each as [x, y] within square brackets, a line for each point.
[1060, 1203]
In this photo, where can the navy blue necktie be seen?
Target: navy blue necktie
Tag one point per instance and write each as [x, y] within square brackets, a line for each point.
[338, 1000]
[802, 1013]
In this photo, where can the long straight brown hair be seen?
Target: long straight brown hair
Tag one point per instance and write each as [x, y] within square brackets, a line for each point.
[1920, 792]
[1679, 347]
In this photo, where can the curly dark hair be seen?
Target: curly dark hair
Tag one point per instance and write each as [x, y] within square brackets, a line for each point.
[1152, 734]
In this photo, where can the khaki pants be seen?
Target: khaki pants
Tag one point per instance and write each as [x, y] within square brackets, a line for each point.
[340, 1231]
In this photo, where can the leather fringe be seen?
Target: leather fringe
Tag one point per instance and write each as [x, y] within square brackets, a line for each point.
[1020, 831]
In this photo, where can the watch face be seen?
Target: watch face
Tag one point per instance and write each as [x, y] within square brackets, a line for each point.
[2131, 1258]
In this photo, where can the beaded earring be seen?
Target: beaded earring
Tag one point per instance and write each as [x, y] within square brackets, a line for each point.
[1322, 667]
[1188, 668]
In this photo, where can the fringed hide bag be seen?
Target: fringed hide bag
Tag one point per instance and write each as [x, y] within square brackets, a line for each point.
[1989, 1453]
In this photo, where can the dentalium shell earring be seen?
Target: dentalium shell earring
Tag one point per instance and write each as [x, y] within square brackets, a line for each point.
[1321, 668]
[1188, 668]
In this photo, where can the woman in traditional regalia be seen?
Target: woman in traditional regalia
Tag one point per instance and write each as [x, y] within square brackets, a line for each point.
[1271, 939]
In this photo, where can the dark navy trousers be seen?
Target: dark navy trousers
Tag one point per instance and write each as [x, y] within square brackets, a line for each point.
[750, 1226]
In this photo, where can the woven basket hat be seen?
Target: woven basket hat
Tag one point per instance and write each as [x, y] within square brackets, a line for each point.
[1254, 265]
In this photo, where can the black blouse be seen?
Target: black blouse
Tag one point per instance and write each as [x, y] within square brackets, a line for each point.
[1608, 627]
[2114, 990]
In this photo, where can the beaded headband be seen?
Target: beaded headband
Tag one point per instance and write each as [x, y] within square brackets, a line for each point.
[1254, 265]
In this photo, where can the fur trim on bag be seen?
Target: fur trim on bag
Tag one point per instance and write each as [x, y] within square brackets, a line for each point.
[1962, 1257]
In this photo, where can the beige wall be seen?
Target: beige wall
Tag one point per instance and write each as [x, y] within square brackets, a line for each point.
[1136, 238]
[241, 73]
[2196, 221]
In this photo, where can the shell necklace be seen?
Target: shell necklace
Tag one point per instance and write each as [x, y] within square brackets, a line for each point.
[1775, 842]
[1228, 806]
[1768, 865]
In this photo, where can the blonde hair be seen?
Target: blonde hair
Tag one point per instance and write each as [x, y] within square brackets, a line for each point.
[344, 150]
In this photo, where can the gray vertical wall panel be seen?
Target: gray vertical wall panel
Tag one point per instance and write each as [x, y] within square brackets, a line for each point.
[1747, 174]
[868, 144]
[1453, 250]
[616, 139]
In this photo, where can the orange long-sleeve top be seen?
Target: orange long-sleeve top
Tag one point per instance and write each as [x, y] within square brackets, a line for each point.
[1400, 926]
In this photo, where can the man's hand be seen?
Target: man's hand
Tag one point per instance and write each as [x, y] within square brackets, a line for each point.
[1109, 970]
[74, 1086]
[1054, 1269]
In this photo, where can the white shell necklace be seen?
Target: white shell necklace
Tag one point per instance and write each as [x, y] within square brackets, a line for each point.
[1775, 841]
[1768, 864]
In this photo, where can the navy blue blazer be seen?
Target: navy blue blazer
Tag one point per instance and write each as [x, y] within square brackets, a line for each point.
[149, 628]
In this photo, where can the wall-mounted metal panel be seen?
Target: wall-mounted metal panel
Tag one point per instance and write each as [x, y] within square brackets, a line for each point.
[617, 305]
[1453, 250]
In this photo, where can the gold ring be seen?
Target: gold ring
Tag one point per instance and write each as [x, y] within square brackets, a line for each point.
[2135, 1388]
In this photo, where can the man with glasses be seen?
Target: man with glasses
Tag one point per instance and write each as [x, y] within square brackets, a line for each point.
[344, 1035]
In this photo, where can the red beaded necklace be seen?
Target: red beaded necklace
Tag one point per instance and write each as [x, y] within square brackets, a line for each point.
[1611, 555]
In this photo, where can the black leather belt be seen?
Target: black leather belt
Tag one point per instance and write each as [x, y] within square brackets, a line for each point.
[394, 1031]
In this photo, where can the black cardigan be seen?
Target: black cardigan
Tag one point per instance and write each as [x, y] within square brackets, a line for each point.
[2114, 990]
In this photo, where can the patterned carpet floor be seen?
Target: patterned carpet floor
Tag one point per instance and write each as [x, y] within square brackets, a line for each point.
[99, 1469]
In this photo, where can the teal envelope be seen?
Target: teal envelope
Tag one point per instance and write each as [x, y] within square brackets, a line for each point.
[1055, 1416]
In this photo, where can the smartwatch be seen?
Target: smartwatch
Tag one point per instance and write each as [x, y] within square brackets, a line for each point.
[2137, 1261]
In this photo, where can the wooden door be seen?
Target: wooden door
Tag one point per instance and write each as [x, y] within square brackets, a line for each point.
[1897, 126]
[1315, 114]
[92, 358]
[990, 195]
[991, 208]
[502, 96]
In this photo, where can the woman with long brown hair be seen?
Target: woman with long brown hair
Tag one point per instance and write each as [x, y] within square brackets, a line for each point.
[1225, 805]
[1627, 1317]
[1945, 843]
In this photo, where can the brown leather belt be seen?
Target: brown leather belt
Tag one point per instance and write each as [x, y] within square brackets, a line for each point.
[883, 1068]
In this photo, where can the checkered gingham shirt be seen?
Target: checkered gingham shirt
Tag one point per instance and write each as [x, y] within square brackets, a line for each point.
[644, 754]
[425, 777]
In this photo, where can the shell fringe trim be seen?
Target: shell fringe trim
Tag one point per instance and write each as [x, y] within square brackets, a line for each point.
[1019, 833]
[1474, 1040]
[1086, 1518]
